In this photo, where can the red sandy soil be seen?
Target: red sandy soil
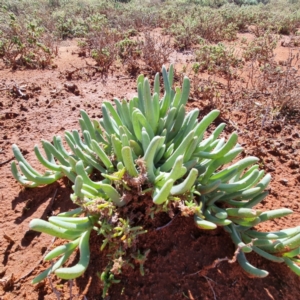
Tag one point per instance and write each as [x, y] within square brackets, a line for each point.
[175, 268]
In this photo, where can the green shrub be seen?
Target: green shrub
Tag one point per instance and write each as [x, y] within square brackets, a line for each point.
[102, 46]
[150, 148]
[261, 49]
[23, 43]
[216, 59]
[129, 48]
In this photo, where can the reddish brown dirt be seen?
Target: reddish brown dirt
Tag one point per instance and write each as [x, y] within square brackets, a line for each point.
[179, 251]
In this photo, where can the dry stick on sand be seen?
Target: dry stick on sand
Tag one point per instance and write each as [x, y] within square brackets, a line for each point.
[6, 161]
[70, 286]
[18, 90]
[70, 290]
[8, 238]
[70, 73]
[47, 250]
[166, 225]
[214, 264]
[55, 291]
[38, 263]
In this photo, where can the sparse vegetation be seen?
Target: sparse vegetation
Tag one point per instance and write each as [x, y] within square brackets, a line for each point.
[24, 43]
[216, 59]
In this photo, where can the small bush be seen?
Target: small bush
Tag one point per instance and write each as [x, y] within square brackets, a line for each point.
[102, 46]
[24, 44]
[130, 52]
[216, 59]
[156, 51]
[261, 49]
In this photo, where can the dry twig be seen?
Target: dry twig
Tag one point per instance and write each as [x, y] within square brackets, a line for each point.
[6, 161]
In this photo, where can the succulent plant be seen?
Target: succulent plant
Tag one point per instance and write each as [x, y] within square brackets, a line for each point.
[151, 145]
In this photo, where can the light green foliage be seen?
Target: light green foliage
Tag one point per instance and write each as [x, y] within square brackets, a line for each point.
[129, 49]
[216, 59]
[97, 20]
[151, 146]
[261, 49]
[201, 23]
[23, 42]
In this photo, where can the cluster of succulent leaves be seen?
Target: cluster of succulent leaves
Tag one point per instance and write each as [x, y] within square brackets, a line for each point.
[151, 146]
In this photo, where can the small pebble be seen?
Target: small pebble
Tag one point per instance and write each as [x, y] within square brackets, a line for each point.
[284, 181]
